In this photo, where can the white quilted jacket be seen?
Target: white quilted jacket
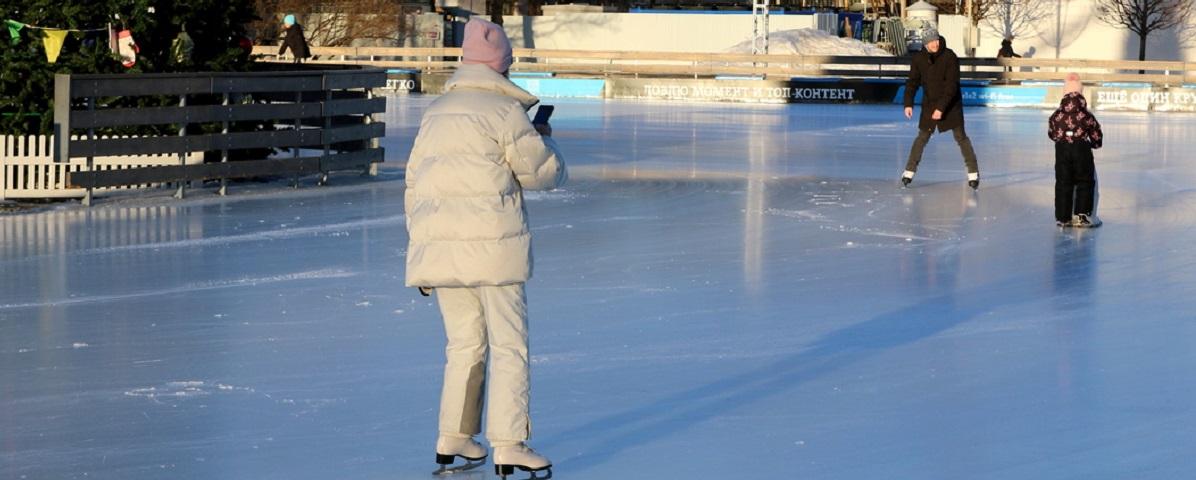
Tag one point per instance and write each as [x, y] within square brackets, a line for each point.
[475, 154]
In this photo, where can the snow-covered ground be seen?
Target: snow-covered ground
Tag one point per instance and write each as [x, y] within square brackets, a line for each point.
[811, 41]
[723, 291]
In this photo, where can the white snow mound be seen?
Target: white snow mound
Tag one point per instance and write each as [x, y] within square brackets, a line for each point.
[809, 41]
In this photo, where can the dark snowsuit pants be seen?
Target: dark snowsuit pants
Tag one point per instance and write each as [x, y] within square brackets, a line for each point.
[1075, 180]
[961, 138]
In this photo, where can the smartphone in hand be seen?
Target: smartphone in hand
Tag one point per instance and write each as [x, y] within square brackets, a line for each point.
[542, 115]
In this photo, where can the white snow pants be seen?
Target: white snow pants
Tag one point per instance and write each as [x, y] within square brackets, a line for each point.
[479, 321]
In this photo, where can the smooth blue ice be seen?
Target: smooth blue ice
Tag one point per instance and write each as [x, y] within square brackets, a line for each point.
[722, 291]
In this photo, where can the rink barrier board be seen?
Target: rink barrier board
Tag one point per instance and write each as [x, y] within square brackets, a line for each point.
[825, 91]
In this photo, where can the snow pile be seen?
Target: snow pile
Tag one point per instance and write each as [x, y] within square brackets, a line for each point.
[809, 41]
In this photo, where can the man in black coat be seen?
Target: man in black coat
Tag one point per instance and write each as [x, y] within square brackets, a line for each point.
[294, 40]
[936, 70]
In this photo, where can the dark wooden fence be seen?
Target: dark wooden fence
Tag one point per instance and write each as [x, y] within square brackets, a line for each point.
[323, 118]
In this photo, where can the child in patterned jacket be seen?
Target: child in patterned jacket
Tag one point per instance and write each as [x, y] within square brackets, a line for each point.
[1076, 134]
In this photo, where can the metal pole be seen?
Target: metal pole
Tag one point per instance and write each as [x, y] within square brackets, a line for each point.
[970, 44]
[760, 27]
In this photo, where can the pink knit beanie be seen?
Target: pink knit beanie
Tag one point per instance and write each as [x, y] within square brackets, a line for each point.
[486, 44]
[1072, 83]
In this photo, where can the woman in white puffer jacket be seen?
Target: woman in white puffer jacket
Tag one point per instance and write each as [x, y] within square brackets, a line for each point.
[469, 241]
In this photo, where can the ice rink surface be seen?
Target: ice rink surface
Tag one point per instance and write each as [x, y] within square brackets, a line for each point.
[721, 291]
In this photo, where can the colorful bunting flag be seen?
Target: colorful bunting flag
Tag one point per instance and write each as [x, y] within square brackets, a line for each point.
[55, 37]
[53, 43]
[182, 47]
[14, 29]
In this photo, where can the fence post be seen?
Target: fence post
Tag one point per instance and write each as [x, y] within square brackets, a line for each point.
[327, 128]
[62, 117]
[3, 166]
[224, 151]
[182, 152]
[295, 150]
[91, 136]
[374, 143]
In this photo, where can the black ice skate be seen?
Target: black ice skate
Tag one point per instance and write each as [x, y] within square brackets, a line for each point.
[974, 181]
[907, 178]
[508, 458]
[448, 449]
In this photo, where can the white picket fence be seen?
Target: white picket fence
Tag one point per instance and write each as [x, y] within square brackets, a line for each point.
[28, 169]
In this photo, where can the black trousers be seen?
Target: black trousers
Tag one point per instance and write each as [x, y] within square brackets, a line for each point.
[1075, 180]
[961, 138]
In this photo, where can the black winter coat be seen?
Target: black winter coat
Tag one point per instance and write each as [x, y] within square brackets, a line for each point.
[1007, 50]
[938, 75]
[295, 41]
[1072, 122]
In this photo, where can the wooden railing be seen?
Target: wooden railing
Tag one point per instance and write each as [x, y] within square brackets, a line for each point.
[328, 114]
[619, 63]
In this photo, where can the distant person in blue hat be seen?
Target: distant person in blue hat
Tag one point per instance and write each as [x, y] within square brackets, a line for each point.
[294, 40]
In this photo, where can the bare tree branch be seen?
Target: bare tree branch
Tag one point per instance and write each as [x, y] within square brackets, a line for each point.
[332, 23]
[1144, 17]
[1015, 18]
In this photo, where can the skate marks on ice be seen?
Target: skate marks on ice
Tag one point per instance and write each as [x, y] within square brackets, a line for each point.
[648, 421]
[283, 231]
[174, 393]
[883, 218]
[803, 208]
[324, 274]
[966, 288]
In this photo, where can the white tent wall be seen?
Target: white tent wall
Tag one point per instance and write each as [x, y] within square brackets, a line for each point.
[954, 28]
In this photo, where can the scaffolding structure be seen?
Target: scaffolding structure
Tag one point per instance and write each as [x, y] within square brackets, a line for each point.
[760, 27]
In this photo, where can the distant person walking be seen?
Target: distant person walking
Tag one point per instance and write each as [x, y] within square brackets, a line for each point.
[475, 154]
[1007, 52]
[294, 40]
[1076, 133]
[1007, 49]
[936, 70]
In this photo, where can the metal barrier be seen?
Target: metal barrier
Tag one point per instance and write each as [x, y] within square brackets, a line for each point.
[326, 111]
[610, 63]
